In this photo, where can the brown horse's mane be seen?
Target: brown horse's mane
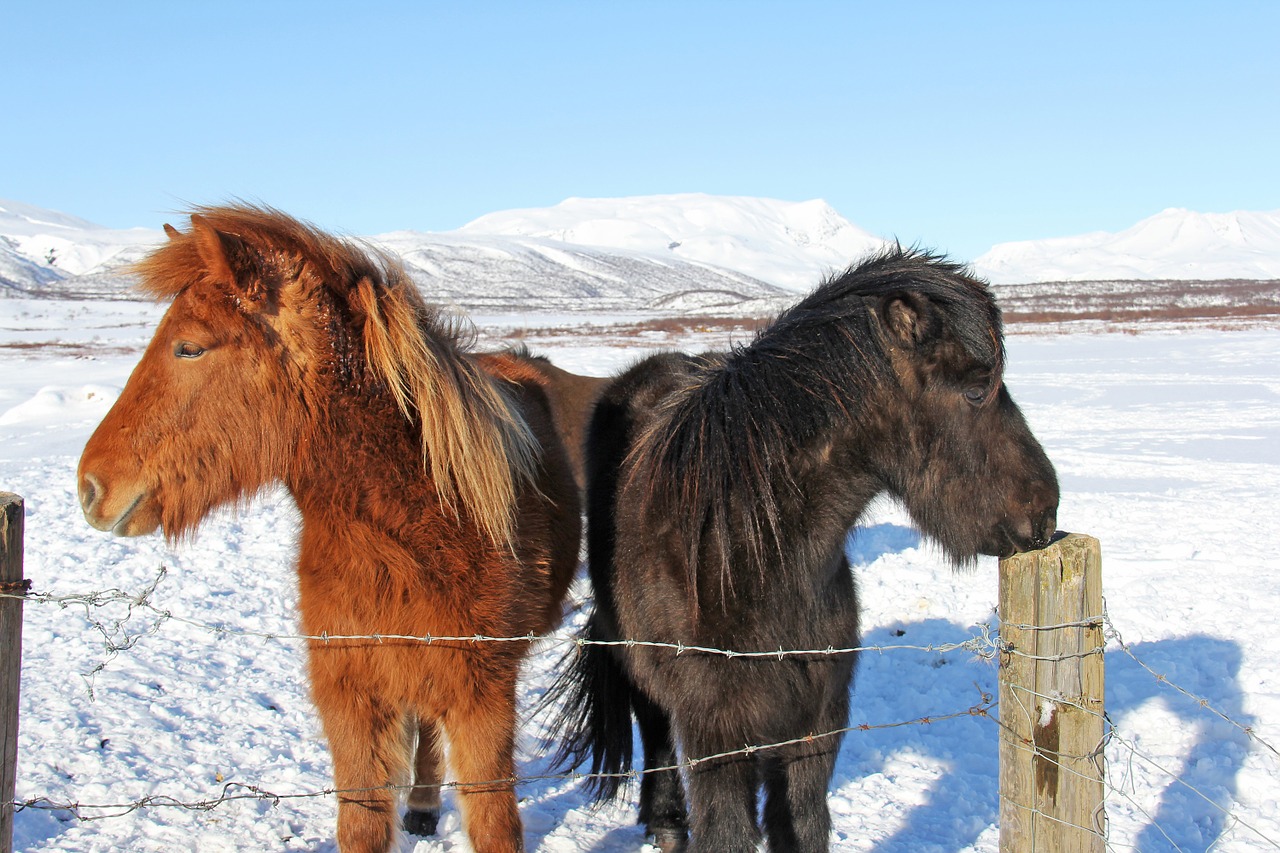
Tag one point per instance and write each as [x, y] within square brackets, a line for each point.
[476, 445]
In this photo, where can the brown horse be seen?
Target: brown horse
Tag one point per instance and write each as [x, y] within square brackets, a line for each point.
[572, 399]
[435, 493]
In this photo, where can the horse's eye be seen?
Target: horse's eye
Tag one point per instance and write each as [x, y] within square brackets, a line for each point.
[976, 395]
[186, 349]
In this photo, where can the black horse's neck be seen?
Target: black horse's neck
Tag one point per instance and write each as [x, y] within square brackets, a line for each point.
[760, 465]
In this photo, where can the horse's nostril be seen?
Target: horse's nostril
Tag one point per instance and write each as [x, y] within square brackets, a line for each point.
[90, 488]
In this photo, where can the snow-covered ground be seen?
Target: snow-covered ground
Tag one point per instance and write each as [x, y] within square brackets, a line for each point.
[1168, 447]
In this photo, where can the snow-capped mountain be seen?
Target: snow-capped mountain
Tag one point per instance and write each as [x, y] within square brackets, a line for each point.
[672, 252]
[63, 246]
[1173, 244]
[653, 253]
[790, 244]
[18, 272]
[48, 253]
[502, 273]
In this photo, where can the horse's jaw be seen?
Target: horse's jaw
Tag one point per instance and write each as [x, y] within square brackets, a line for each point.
[121, 512]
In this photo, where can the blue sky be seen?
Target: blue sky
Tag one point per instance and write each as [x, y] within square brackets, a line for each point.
[953, 124]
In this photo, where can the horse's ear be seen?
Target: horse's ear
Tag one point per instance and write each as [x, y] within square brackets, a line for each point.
[216, 249]
[172, 232]
[227, 259]
[909, 318]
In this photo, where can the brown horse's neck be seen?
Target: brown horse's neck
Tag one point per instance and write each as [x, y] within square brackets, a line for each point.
[361, 444]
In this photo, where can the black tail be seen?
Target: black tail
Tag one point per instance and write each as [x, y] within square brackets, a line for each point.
[595, 694]
[594, 718]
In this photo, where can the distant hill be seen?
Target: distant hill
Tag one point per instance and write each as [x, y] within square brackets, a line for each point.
[1174, 244]
[700, 253]
[63, 246]
[496, 273]
[790, 244]
[45, 253]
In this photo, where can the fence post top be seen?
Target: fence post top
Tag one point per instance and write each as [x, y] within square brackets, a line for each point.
[1063, 537]
[1061, 541]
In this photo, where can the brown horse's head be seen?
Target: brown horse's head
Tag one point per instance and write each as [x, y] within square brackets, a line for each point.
[205, 418]
[270, 321]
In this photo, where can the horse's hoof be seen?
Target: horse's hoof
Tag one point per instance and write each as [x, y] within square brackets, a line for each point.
[669, 840]
[421, 823]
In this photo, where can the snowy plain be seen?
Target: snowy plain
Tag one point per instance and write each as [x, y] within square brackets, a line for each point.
[1167, 444]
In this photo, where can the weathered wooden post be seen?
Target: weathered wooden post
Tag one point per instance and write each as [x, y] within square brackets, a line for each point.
[11, 582]
[1051, 705]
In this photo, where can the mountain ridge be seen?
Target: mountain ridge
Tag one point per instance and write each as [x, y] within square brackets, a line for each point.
[1174, 244]
[663, 253]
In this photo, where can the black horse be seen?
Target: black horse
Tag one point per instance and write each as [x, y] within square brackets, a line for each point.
[721, 490]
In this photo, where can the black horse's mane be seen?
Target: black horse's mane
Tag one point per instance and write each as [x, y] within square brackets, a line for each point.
[720, 459]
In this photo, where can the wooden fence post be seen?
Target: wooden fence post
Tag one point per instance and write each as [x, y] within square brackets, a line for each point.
[11, 581]
[1051, 700]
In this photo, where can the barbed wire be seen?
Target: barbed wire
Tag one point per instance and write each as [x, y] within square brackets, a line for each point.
[1113, 633]
[1133, 750]
[1111, 738]
[238, 791]
[986, 644]
[983, 644]
[255, 792]
[110, 629]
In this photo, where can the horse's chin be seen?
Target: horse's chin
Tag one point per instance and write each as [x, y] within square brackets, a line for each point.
[1003, 544]
[139, 523]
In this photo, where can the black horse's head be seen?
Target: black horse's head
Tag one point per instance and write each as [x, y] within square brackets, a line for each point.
[956, 449]
[887, 378]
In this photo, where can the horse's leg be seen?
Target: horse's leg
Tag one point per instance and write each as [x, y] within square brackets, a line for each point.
[722, 797]
[366, 741]
[423, 813]
[481, 752]
[796, 814]
[662, 809]
[796, 780]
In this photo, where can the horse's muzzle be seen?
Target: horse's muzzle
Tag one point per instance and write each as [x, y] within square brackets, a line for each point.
[1039, 532]
[1029, 533]
[122, 519]
[1042, 530]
